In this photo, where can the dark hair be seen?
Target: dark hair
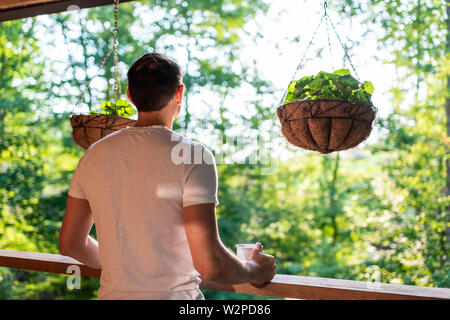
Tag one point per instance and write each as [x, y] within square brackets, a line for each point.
[152, 81]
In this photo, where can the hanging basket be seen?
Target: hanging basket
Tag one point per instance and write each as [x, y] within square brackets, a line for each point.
[326, 125]
[88, 129]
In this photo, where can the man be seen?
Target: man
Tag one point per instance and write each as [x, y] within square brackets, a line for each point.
[152, 198]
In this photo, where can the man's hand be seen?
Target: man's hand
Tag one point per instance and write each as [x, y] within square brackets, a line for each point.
[262, 265]
[214, 262]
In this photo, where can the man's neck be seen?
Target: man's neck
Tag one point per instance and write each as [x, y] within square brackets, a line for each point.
[145, 120]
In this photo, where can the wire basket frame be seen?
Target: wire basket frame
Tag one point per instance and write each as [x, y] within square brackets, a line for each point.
[87, 129]
[326, 125]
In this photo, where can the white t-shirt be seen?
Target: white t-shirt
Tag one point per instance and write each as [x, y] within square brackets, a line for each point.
[137, 181]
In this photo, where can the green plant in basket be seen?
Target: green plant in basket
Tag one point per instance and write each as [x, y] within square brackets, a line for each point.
[121, 108]
[339, 85]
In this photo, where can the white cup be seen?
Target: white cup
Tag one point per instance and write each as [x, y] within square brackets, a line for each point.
[243, 250]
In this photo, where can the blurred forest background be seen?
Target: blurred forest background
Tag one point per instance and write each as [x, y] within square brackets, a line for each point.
[379, 212]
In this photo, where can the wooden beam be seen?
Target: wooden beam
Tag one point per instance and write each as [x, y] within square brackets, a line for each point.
[287, 286]
[19, 9]
[10, 4]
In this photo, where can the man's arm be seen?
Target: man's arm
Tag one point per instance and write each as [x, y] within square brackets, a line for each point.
[212, 259]
[74, 239]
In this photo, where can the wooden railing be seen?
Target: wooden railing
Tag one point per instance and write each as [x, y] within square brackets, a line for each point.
[287, 286]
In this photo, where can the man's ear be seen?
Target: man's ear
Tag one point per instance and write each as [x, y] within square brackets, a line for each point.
[179, 94]
[129, 96]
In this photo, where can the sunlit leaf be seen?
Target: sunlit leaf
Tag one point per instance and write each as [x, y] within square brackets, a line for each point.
[341, 72]
[339, 85]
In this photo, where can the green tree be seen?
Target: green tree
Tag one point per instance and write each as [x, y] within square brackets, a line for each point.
[189, 27]
[416, 142]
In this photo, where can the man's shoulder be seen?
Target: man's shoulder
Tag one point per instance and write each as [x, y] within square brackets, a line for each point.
[179, 145]
[199, 153]
[107, 139]
[177, 137]
[103, 144]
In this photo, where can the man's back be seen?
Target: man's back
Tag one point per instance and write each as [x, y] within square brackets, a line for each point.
[137, 187]
[152, 196]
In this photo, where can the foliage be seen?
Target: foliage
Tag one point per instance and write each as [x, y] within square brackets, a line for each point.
[121, 108]
[339, 85]
[381, 206]
[413, 31]
[415, 140]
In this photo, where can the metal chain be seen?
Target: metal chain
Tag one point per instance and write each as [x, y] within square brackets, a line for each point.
[344, 48]
[89, 83]
[329, 45]
[348, 58]
[301, 65]
[117, 89]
